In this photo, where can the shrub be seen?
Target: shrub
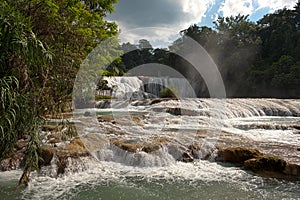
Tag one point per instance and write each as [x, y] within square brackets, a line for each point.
[169, 92]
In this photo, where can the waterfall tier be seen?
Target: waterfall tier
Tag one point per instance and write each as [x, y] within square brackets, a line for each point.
[143, 87]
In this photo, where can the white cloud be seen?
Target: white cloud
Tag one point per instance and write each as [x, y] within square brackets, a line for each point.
[248, 7]
[170, 15]
[235, 7]
[276, 4]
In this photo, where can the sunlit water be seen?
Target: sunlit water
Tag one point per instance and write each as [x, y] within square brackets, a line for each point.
[201, 179]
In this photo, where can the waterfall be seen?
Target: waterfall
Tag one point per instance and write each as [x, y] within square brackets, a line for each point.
[124, 86]
[155, 85]
[148, 87]
[229, 108]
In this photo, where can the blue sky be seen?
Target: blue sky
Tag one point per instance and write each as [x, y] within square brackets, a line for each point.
[168, 17]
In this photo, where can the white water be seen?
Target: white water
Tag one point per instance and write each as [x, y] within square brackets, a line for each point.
[134, 87]
[118, 174]
[110, 180]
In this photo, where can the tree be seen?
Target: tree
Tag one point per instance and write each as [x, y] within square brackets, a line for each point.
[42, 46]
[22, 57]
[73, 28]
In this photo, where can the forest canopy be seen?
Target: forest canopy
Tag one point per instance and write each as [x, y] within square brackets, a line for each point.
[42, 44]
[256, 59]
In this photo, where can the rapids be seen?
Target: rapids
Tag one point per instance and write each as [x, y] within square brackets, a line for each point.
[156, 133]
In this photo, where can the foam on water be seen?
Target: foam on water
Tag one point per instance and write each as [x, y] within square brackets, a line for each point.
[118, 174]
[193, 176]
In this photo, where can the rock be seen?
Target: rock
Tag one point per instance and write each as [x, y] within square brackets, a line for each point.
[137, 120]
[54, 141]
[76, 148]
[150, 148]
[174, 111]
[266, 163]
[182, 111]
[105, 118]
[10, 163]
[47, 153]
[194, 149]
[54, 138]
[237, 155]
[87, 114]
[52, 128]
[186, 157]
[158, 100]
[73, 150]
[292, 169]
[61, 163]
[130, 147]
[103, 104]
[15, 159]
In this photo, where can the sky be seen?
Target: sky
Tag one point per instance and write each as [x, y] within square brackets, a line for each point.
[160, 21]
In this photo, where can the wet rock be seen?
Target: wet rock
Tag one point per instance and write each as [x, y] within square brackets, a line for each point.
[296, 126]
[52, 128]
[194, 149]
[87, 114]
[103, 104]
[186, 157]
[15, 159]
[73, 150]
[266, 163]
[105, 118]
[130, 147]
[150, 148]
[11, 163]
[137, 120]
[47, 153]
[54, 138]
[133, 147]
[182, 111]
[237, 155]
[158, 100]
[174, 111]
[292, 169]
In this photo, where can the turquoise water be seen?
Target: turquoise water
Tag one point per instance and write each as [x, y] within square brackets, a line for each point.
[199, 180]
[91, 179]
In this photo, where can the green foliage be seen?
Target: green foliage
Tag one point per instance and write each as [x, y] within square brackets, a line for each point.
[255, 59]
[169, 92]
[9, 109]
[68, 129]
[18, 119]
[42, 44]
[99, 97]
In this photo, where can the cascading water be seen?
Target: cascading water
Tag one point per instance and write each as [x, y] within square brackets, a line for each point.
[139, 146]
[139, 87]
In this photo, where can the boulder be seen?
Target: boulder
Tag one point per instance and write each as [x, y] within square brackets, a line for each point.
[52, 128]
[75, 148]
[133, 147]
[266, 163]
[47, 153]
[186, 157]
[237, 155]
[292, 169]
[130, 147]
